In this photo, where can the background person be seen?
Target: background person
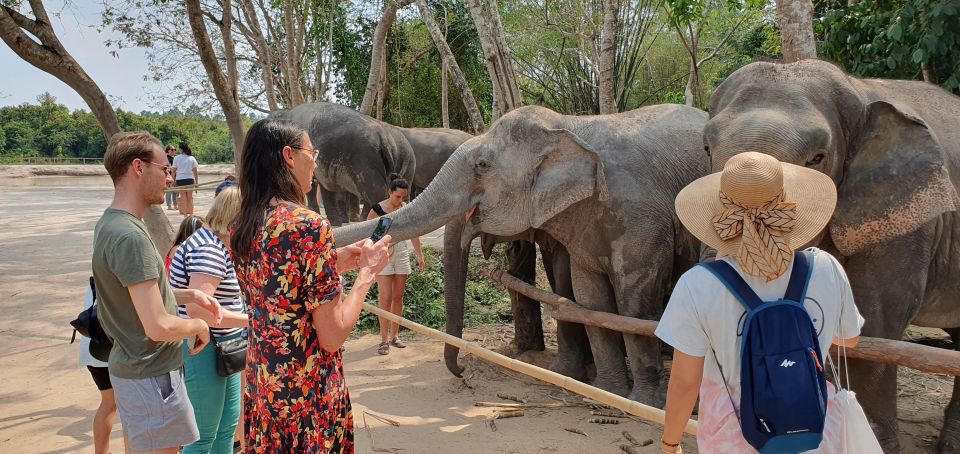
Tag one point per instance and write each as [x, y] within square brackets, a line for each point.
[188, 225]
[137, 307]
[171, 197]
[188, 174]
[299, 317]
[702, 321]
[392, 280]
[107, 411]
[203, 262]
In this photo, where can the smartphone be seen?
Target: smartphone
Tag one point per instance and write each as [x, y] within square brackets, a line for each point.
[383, 225]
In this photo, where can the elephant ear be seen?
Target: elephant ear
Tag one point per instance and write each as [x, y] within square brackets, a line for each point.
[895, 183]
[569, 171]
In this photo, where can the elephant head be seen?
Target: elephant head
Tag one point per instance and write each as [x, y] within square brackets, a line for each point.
[513, 178]
[887, 161]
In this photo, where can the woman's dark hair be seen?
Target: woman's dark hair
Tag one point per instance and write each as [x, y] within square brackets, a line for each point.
[263, 176]
[185, 149]
[188, 226]
[398, 183]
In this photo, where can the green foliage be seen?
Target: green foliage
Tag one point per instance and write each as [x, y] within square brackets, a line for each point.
[414, 67]
[895, 39]
[51, 130]
[485, 301]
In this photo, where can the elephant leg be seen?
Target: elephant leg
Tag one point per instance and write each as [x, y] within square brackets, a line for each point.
[351, 206]
[950, 433]
[455, 260]
[888, 283]
[641, 293]
[573, 346]
[313, 196]
[332, 208]
[528, 328]
[595, 292]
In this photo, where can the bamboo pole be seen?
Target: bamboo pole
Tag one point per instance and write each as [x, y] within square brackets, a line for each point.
[915, 356]
[621, 403]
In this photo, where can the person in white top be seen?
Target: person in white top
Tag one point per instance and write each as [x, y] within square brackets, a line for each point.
[755, 213]
[188, 174]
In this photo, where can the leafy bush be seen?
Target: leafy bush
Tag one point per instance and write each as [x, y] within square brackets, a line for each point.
[486, 301]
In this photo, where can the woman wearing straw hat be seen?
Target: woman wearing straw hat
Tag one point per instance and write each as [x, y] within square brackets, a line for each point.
[755, 213]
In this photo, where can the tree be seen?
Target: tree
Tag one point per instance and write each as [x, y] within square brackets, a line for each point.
[796, 29]
[506, 92]
[690, 19]
[224, 85]
[49, 55]
[608, 56]
[451, 63]
[377, 59]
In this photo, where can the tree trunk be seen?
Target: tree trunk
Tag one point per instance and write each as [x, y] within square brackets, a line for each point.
[223, 87]
[444, 83]
[796, 30]
[292, 60]
[390, 8]
[259, 43]
[607, 59]
[382, 85]
[51, 57]
[458, 78]
[486, 19]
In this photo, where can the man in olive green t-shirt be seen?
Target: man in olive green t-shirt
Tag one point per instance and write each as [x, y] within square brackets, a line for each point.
[138, 308]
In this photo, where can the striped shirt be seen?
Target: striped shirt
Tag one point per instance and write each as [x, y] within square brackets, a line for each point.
[204, 253]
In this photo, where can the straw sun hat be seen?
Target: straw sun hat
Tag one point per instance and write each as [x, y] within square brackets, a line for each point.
[758, 210]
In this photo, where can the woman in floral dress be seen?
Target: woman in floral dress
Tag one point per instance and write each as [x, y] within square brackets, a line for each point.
[296, 398]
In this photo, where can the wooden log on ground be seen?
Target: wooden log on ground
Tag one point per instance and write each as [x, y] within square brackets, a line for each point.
[635, 408]
[915, 356]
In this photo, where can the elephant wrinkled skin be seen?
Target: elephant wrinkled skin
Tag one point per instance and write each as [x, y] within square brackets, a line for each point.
[893, 148]
[603, 187]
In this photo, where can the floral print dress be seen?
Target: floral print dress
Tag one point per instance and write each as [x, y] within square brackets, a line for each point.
[296, 399]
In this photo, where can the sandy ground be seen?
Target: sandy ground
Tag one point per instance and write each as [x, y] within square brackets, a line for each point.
[47, 401]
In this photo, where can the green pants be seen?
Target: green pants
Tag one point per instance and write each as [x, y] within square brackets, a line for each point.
[215, 399]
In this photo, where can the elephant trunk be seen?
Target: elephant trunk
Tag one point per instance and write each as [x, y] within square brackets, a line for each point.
[442, 201]
[455, 259]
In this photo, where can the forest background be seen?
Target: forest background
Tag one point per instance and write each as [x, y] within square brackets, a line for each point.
[287, 52]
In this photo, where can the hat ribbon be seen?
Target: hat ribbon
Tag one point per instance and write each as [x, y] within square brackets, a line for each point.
[764, 249]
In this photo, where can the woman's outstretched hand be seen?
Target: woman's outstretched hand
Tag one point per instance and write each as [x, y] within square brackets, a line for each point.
[373, 256]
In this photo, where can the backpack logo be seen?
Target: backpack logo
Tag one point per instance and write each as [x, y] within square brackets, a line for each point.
[787, 363]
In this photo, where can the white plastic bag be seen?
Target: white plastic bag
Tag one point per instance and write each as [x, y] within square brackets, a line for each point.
[857, 435]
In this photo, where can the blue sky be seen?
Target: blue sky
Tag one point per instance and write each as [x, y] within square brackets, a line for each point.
[121, 78]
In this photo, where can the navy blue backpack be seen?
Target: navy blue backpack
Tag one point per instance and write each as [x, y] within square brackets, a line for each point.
[783, 393]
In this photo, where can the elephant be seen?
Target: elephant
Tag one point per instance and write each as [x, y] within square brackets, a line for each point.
[432, 147]
[357, 156]
[603, 187]
[893, 149]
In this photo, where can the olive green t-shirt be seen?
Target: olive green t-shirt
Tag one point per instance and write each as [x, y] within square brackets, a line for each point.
[123, 255]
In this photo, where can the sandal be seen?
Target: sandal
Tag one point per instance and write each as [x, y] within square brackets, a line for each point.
[384, 348]
[396, 342]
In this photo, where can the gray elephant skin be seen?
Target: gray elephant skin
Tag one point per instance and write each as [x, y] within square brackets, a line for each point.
[603, 187]
[358, 153]
[893, 148]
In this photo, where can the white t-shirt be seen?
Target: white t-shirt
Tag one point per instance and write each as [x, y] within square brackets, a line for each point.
[702, 314]
[185, 165]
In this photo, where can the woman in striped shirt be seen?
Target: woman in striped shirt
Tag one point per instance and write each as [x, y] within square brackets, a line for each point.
[204, 262]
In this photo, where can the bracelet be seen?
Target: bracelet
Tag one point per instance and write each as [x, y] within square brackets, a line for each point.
[671, 445]
[670, 448]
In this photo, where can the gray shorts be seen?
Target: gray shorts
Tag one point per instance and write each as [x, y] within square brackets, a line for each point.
[155, 412]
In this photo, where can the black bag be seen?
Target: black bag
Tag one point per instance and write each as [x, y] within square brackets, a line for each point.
[231, 355]
[88, 324]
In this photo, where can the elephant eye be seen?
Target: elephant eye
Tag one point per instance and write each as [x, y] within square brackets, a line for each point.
[706, 148]
[482, 165]
[816, 160]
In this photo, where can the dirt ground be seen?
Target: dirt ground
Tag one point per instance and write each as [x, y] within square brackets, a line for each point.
[47, 401]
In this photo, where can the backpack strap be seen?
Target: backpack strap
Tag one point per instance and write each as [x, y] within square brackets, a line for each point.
[93, 289]
[378, 209]
[735, 283]
[799, 278]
